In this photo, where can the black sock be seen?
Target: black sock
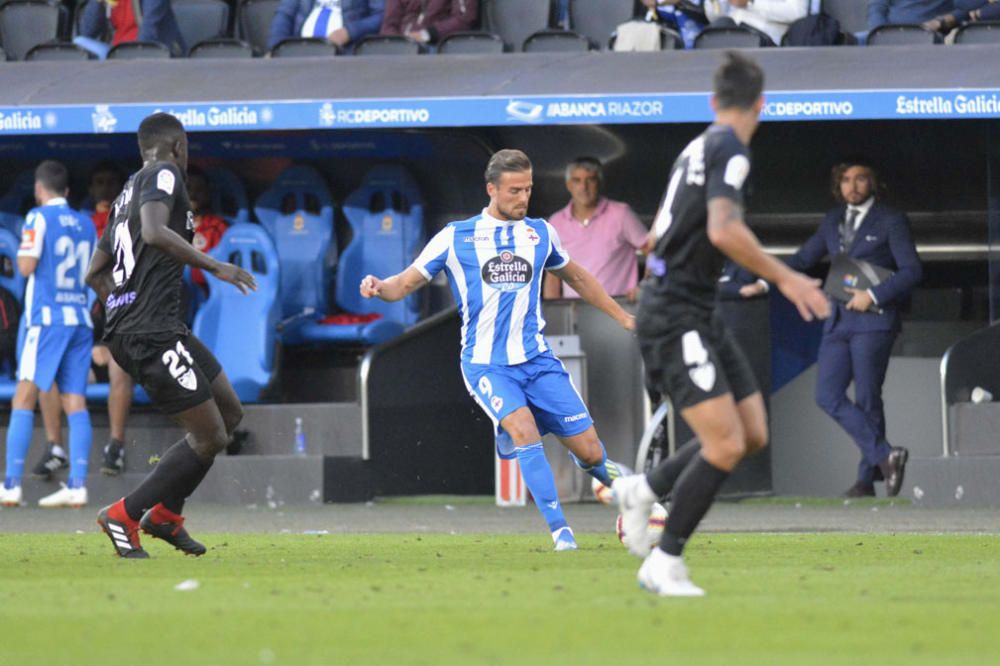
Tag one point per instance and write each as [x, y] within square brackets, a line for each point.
[172, 475]
[664, 477]
[694, 494]
[175, 501]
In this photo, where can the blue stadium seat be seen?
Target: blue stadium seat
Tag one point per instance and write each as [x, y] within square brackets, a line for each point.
[229, 197]
[241, 329]
[17, 201]
[10, 278]
[387, 219]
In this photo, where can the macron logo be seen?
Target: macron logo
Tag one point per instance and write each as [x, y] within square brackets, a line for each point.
[575, 417]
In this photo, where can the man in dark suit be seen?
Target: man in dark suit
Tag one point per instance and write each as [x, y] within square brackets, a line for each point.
[858, 336]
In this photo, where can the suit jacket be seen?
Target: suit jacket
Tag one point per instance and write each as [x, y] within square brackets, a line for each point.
[361, 18]
[883, 239]
[439, 18]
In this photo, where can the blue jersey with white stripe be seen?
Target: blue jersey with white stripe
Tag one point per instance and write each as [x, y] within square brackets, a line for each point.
[495, 268]
[63, 241]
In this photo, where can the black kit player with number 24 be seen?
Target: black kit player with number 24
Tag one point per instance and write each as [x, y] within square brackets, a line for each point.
[137, 272]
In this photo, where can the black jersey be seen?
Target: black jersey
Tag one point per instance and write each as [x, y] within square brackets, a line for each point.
[148, 282]
[685, 265]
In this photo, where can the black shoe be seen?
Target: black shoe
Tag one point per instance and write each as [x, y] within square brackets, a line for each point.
[892, 468]
[49, 464]
[860, 489]
[162, 524]
[114, 458]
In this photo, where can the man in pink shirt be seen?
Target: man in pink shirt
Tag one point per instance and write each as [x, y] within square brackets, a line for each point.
[601, 235]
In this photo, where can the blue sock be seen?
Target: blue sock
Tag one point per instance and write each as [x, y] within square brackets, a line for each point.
[605, 471]
[19, 430]
[538, 478]
[79, 448]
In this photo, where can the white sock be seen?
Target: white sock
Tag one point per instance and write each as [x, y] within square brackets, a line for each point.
[58, 451]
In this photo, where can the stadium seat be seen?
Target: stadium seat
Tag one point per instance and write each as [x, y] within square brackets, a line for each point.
[728, 38]
[669, 40]
[556, 41]
[515, 20]
[471, 41]
[598, 19]
[304, 47]
[850, 14]
[387, 45]
[297, 211]
[58, 51]
[241, 329]
[229, 197]
[199, 20]
[221, 48]
[27, 23]
[10, 278]
[987, 32]
[3, 55]
[255, 22]
[386, 215]
[17, 201]
[900, 35]
[139, 51]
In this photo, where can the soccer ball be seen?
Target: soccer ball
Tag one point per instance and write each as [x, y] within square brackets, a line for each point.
[602, 492]
[654, 526]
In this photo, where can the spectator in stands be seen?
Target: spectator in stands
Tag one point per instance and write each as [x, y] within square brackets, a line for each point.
[770, 18]
[337, 21]
[858, 336]
[894, 12]
[686, 17]
[208, 226]
[129, 21]
[600, 234]
[429, 21]
[981, 10]
[106, 181]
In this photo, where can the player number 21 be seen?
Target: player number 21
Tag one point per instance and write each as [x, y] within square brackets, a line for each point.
[171, 358]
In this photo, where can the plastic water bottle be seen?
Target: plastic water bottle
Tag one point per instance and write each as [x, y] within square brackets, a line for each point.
[300, 437]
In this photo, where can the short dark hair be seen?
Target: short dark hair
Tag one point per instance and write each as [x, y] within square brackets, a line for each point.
[738, 82]
[157, 129]
[839, 169]
[53, 176]
[506, 161]
[108, 166]
[587, 163]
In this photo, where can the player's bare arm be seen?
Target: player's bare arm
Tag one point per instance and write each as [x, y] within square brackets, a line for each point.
[728, 232]
[99, 274]
[393, 288]
[27, 265]
[590, 290]
[155, 216]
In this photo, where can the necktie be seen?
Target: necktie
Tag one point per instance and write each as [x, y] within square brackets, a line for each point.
[847, 229]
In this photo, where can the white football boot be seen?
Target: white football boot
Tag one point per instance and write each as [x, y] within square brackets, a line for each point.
[563, 539]
[667, 576]
[635, 501]
[10, 496]
[65, 496]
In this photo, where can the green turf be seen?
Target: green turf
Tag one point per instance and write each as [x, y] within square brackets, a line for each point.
[496, 599]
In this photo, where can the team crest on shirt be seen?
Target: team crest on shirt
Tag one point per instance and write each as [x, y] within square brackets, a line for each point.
[496, 402]
[531, 235]
[188, 380]
[507, 272]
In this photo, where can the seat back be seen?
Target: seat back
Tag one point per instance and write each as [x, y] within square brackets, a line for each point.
[199, 20]
[597, 19]
[515, 20]
[556, 41]
[386, 215]
[728, 38]
[387, 45]
[297, 211]
[17, 201]
[229, 197]
[899, 35]
[27, 23]
[255, 22]
[473, 41]
[852, 15]
[57, 51]
[304, 47]
[221, 48]
[987, 32]
[139, 51]
[10, 278]
[241, 329]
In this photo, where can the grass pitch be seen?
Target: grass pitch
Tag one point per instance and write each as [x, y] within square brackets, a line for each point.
[499, 599]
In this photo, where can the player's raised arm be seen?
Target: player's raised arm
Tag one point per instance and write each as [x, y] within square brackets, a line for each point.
[394, 288]
[728, 232]
[590, 290]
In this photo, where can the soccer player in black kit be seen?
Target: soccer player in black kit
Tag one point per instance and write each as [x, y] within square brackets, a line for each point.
[136, 271]
[688, 352]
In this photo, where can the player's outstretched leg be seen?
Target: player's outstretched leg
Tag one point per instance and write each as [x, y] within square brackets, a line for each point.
[537, 475]
[162, 523]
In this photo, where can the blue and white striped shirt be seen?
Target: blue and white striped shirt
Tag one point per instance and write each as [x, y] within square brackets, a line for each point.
[495, 268]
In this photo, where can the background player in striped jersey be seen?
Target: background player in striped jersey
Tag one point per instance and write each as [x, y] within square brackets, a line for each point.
[56, 244]
[495, 262]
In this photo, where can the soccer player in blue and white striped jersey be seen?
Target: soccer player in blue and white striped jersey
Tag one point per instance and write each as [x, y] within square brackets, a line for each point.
[495, 261]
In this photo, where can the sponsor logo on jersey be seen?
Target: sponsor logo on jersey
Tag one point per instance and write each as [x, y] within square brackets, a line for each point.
[165, 181]
[387, 224]
[118, 301]
[298, 223]
[575, 417]
[477, 239]
[507, 272]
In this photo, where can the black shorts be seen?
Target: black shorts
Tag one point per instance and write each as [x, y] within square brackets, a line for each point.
[693, 357]
[176, 369]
